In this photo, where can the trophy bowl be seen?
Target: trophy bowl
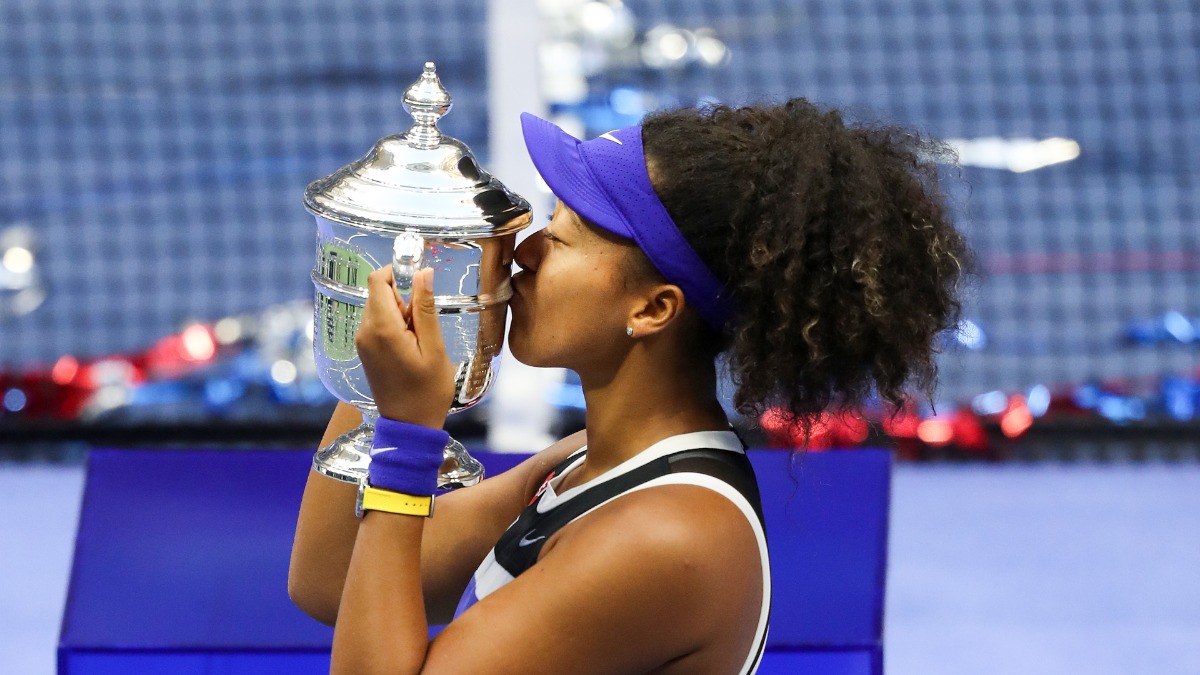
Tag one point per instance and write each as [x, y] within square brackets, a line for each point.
[416, 200]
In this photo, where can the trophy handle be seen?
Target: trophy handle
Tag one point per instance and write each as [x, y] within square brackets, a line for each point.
[408, 251]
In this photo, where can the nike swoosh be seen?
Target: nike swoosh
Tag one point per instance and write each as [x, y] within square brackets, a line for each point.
[525, 540]
[378, 450]
[609, 136]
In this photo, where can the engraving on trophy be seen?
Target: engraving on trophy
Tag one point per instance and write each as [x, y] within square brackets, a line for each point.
[342, 265]
[341, 324]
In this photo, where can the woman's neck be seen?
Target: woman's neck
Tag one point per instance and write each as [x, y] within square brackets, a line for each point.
[641, 404]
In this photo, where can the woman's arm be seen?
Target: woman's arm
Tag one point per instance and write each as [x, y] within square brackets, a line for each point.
[466, 524]
[665, 575]
[325, 532]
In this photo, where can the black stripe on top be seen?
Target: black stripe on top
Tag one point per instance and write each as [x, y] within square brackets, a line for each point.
[519, 546]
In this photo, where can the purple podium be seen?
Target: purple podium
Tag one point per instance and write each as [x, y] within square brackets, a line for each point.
[827, 526]
[181, 563]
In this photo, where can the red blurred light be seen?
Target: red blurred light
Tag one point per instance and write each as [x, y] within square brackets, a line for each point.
[1017, 419]
[779, 428]
[849, 428]
[197, 343]
[969, 432]
[935, 431]
[903, 424]
[64, 370]
[773, 419]
[821, 436]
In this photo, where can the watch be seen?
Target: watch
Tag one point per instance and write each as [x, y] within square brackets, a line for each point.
[376, 499]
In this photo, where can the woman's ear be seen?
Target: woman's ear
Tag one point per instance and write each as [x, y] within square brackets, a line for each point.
[662, 305]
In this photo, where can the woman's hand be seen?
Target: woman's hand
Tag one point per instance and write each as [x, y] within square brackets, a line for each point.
[403, 356]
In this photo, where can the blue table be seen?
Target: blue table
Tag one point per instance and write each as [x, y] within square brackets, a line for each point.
[181, 563]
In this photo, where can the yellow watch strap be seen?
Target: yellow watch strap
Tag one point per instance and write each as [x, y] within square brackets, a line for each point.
[374, 499]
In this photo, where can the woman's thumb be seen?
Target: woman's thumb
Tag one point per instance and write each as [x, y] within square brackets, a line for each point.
[424, 311]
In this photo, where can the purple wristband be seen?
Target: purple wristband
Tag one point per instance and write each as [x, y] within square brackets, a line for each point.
[406, 457]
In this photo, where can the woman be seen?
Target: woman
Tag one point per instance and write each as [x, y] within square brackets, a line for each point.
[817, 258]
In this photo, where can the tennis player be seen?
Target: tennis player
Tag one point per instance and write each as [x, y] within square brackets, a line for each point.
[813, 259]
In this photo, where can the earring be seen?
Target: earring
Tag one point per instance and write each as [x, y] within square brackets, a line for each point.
[629, 331]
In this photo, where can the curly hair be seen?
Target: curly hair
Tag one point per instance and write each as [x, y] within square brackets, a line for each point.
[835, 241]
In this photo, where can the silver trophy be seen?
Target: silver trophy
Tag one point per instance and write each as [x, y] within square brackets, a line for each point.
[418, 199]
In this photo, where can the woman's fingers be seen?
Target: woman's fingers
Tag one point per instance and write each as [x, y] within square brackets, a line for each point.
[424, 315]
[403, 357]
[384, 308]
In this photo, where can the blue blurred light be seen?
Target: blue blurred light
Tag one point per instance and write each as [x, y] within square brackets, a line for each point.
[249, 365]
[15, 400]
[1120, 409]
[1180, 397]
[1087, 396]
[1038, 400]
[1142, 332]
[1170, 326]
[627, 101]
[991, 403]
[971, 335]
[160, 393]
[1179, 327]
[219, 393]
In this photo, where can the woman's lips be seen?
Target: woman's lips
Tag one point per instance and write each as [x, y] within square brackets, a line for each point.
[514, 299]
[515, 283]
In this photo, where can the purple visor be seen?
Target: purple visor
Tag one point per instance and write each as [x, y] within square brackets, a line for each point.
[605, 181]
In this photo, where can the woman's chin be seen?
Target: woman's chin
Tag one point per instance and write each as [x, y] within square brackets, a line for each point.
[516, 347]
[522, 351]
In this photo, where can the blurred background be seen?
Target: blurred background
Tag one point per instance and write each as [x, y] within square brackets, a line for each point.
[155, 256]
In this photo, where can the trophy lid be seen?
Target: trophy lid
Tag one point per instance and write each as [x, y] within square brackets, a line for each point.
[420, 181]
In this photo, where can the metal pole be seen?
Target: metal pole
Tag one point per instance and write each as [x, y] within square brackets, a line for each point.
[521, 415]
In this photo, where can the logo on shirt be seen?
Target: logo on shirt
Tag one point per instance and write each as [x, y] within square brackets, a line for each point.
[525, 540]
[609, 135]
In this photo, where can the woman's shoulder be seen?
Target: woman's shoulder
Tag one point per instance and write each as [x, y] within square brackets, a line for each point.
[616, 577]
[689, 555]
[682, 556]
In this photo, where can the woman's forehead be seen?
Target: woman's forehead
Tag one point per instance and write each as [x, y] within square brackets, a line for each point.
[640, 266]
[582, 227]
[572, 218]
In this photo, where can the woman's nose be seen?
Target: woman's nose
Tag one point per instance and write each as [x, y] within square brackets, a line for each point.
[529, 252]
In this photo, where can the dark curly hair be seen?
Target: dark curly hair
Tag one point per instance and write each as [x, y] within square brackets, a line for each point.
[835, 241]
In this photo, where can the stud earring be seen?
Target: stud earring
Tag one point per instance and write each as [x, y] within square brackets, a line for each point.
[629, 331]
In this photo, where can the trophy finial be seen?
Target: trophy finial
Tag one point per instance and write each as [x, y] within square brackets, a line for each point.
[426, 100]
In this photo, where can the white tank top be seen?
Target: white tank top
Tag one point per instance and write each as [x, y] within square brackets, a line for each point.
[711, 459]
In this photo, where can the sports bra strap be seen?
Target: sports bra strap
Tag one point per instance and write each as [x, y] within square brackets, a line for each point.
[519, 547]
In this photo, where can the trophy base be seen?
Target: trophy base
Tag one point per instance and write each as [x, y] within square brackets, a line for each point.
[459, 468]
[348, 456]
